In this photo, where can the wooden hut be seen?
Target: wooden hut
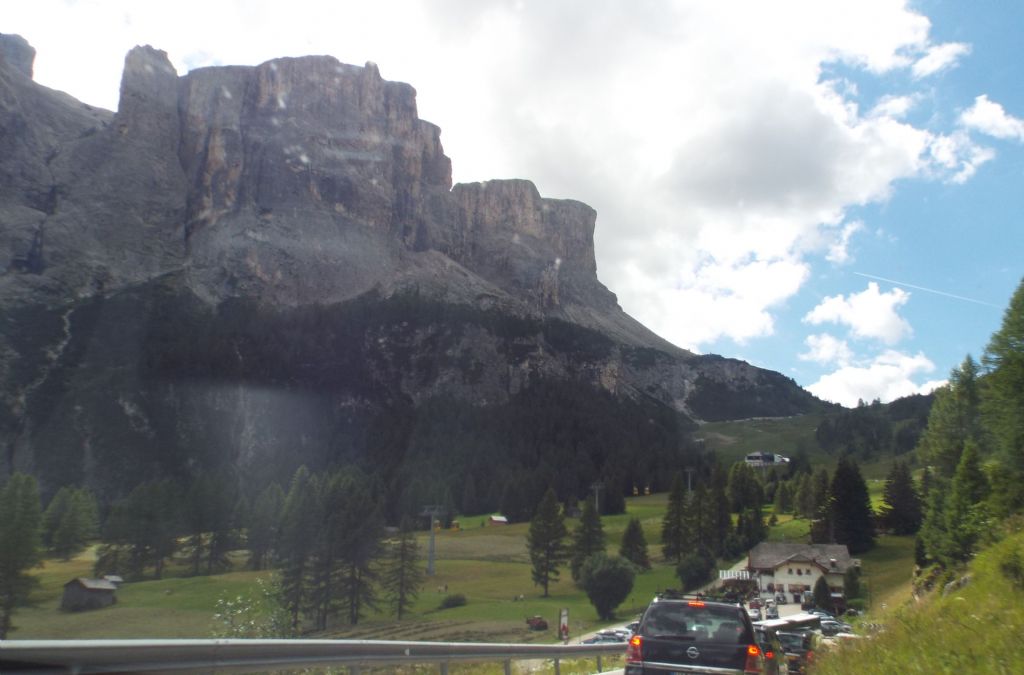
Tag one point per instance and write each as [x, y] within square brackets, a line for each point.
[82, 593]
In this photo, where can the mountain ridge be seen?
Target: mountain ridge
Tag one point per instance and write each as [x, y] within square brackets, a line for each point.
[300, 190]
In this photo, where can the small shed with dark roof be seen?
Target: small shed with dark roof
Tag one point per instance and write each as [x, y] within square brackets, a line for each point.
[83, 593]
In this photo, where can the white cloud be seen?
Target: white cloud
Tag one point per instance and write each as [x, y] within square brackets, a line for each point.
[707, 135]
[888, 376]
[826, 349]
[868, 314]
[939, 57]
[838, 250]
[990, 118]
[955, 157]
[895, 107]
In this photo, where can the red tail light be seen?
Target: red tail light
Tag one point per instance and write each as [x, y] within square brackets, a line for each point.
[633, 652]
[769, 655]
[695, 603]
[753, 664]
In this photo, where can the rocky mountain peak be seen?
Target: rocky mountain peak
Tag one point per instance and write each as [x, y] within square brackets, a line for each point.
[18, 53]
[278, 251]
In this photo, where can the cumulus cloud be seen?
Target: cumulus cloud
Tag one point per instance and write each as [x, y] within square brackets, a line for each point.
[838, 249]
[868, 314]
[716, 152]
[990, 118]
[827, 350]
[888, 376]
[939, 57]
[955, 157]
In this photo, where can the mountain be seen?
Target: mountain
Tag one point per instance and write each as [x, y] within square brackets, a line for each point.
[247, 268]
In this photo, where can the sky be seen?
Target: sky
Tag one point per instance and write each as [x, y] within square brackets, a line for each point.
[828, 189]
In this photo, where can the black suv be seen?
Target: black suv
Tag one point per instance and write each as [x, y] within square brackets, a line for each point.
[687, 634]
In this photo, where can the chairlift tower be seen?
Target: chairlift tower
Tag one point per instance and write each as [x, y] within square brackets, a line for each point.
[431, 511]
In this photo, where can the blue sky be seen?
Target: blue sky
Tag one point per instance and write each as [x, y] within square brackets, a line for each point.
[764, 173]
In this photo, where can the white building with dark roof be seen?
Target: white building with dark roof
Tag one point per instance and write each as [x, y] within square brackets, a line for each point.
[789, 568]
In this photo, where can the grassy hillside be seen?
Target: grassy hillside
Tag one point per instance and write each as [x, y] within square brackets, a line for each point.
[973, 629]
[732, 441]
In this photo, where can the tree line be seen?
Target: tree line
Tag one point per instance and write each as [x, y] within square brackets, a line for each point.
[973, 449]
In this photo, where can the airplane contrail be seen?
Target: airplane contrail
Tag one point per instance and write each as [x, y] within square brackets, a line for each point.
[927, 290]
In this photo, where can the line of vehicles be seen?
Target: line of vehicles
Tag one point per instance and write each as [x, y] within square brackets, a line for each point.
[692, 634]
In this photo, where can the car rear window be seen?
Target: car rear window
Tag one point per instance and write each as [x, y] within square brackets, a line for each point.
[708, 623]
[791, 641]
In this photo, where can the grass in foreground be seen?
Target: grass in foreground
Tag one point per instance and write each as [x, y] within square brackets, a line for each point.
[975, 629]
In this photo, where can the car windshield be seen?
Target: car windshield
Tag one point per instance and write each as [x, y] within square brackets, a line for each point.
[485, 322]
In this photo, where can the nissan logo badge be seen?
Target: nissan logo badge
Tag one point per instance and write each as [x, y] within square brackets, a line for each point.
[693, 652]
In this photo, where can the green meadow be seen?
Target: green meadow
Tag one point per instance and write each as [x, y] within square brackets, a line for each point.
[487, 564]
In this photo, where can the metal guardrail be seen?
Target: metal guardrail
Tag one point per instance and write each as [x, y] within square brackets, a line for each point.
[237, 655]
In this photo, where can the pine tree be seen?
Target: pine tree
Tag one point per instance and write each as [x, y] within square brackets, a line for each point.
[298, 539]
[721, 517]
[965, 514]
[360, 549]
[674, 537]
[55, 510]
[954, 420]
[901, 510]
[634, 545]
[402, 574]
[70, 521]
[850, 514]
[262, 533]
[1003, 402]
[822, 595]
[819, 494]
[699, 518]
[587, 540]
[803, 497]
[546, 541]
[20, 544]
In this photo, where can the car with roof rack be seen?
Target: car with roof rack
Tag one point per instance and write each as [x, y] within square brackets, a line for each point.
[682, 633]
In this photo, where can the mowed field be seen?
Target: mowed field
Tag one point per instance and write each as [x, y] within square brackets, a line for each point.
[487, 564]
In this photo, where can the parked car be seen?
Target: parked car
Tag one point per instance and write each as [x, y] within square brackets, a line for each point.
[604, 637]
[682, 634]
[830, 628]
[755, 614]
[771, 647]
[771, 612]
[798, 649]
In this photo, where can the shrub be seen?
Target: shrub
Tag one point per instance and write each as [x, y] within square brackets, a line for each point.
[607, 581]
[1012, 567]
[694, 569]
[453, 600]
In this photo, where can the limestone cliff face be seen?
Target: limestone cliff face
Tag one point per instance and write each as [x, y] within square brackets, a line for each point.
[225, 199]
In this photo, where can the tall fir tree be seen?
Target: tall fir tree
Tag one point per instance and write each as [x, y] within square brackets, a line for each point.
[901, 504]
[70, 521]
[721, 517]
[965, 513]
[402, 574]
[587, 539]
[546, 541]
[20, 544]
[264, 526]
[298, 541]
[850, 514]
[674, 537]
[1003, 403]
[634, 545]
[954, 420]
